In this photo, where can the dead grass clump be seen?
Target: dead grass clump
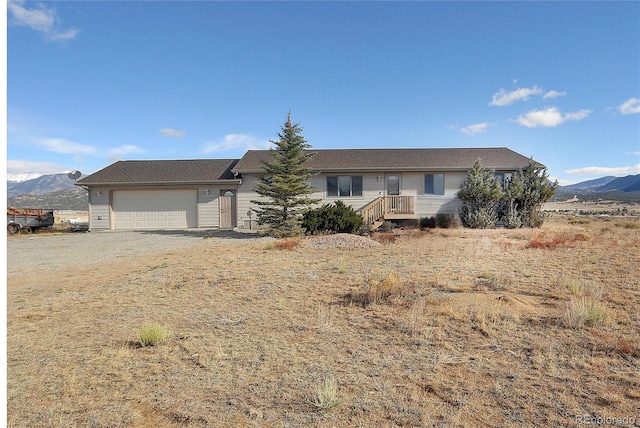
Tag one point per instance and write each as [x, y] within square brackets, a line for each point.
[543, 241]
[152, 334]
[586, 312]
[630, 225]
[326, 394]
[384, 238]
[286, 244]
[616, 343]
[379, 287]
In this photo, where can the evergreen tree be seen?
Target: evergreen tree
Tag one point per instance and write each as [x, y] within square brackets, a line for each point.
[285, 188]
[529, 190]
[518, 205]
[481, 195]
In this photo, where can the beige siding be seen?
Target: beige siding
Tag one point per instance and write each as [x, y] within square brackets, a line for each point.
[99, 208]
[208, 207]
[373, 186]
[245, 195]
[430, 205]
[101, 213]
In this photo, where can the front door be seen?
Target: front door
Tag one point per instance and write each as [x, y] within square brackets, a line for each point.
[393, 185]
[226, 209]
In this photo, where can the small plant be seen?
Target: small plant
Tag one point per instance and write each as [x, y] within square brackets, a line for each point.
[381, 286]
[427, 223]
[326, 395]
[445, 221]
[152, 334]
[574, 287]
[585, 311]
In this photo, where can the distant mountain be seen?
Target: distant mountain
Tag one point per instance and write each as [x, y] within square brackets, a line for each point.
[40, 186]
[623, 189]
[68, 199]
[589, 185]
[54, 191]
[629, 183]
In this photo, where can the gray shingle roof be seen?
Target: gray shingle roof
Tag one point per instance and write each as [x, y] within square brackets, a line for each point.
[162, 171]
[397, 159]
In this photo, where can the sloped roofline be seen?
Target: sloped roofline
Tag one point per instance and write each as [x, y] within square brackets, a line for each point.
[396, 159]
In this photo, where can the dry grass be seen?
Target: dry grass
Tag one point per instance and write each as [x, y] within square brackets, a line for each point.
[152, 334]
[448, 328]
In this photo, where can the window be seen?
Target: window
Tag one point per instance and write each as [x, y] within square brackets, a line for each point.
[434, 184]
[344, 185]
[504, 179]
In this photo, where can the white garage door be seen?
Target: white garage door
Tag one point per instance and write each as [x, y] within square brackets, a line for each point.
[154, 209]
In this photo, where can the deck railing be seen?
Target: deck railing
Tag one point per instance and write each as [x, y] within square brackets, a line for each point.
[376, 209]
[399, 204]
[373, 211]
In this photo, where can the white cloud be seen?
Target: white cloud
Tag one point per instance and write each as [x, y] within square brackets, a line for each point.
[40, 19]
[549, 118]
[476, 128]
[631, 106]
[60, 145]
[125, 149]
[170, 132]
[235, 142]
[503, 98]
[22, 170]
[553, 94]
[597, 170]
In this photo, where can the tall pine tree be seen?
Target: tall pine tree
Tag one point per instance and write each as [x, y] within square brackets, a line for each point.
[284, 188]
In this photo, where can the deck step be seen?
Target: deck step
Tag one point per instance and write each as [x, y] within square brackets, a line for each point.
[376, 224]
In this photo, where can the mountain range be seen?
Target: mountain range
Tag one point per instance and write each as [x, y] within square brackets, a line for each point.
[54, 191]
[57, 191]
[623, 189]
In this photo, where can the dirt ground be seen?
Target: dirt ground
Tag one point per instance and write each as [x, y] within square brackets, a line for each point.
[445, 327]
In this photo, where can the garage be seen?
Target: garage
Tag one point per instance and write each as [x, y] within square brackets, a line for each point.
[154, 209]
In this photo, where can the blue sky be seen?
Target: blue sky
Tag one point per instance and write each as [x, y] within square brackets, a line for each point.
[91, 82]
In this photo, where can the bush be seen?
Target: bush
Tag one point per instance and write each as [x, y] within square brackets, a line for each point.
[519, 204]
[152, 334]
[427, 223]
[337, 218]
[441, 220]
[445, 221]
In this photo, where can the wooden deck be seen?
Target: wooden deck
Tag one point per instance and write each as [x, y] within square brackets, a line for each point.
[389, 208]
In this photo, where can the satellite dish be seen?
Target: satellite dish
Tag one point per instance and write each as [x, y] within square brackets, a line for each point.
[74, 175]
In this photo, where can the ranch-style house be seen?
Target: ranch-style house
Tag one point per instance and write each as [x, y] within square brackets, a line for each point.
[381, 184]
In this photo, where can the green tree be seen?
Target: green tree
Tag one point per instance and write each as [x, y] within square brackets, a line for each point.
[285, 188]
[527, 193]
[481, 195]
[518, 205]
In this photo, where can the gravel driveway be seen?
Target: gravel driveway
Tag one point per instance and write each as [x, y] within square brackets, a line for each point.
[44, 252]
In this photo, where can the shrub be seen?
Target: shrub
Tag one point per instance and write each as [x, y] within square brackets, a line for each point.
[337, 218]
[586, 311]
[326, 395]
[441, 220]
[427, 223]
[519, 204]
[381, 286]
[445, 221]
[152, 334]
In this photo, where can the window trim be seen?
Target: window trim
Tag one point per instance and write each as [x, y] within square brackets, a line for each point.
[434, 184]
[337, 193]
[502, 176]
